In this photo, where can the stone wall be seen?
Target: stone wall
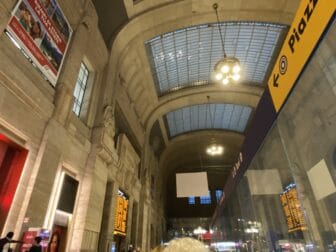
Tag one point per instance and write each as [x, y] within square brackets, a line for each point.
[39, 117]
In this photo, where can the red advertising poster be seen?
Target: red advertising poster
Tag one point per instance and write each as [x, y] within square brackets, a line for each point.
[28, 240]
[40, 28]
[29, 236]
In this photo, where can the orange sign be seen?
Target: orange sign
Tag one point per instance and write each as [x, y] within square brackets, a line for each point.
[309, 23]
[121, 216]
[292, 210]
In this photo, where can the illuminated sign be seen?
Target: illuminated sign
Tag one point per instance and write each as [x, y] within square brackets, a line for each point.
[309, 23]
[292, 209]
[40, 28]
[121, 216]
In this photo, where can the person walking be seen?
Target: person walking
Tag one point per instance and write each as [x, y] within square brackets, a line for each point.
[36, 246]
[6, 241]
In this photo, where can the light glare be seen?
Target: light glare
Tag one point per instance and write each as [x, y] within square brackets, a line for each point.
[219, 76]
[225, 69]
[214, 150]
[236, 77]
[236, 69]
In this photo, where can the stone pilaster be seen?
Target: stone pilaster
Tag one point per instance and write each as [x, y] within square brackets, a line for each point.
[68, 76]
[5, 12]
[106, 232]
[129, 221]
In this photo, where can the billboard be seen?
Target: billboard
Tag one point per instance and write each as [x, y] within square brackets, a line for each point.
[40, 28]
[191, 184]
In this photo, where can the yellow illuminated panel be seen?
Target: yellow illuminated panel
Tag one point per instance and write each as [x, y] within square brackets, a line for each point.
[121, 216]
[292, 210]
[309, 23]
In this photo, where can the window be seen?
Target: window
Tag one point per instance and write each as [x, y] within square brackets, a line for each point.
[218, 194]
[205, 199]
[67, 199]
[191, 200]
[80, 88]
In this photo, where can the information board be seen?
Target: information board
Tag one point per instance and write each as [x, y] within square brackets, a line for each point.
[292, 209]
[121, 216]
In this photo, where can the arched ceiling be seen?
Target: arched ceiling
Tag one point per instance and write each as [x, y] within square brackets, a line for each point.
[187, 152]
[186, 57]
[141, 67]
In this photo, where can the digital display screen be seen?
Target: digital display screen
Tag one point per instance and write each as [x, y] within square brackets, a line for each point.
[121, 216]
[292, 209]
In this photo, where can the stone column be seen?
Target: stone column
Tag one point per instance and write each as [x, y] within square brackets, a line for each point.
[6, 7]
[107, 227]
[92, 196]
[142, 221]
[129, 221]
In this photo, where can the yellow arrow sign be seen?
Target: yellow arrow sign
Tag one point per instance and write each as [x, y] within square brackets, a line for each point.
[309, 23]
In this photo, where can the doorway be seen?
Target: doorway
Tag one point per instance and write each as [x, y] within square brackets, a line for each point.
[62, 217]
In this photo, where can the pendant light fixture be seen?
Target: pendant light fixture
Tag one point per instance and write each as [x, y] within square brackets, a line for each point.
[226, 69]
[213, 149]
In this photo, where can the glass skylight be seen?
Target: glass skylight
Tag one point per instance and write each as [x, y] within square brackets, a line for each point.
[197, 117]
[186, 57]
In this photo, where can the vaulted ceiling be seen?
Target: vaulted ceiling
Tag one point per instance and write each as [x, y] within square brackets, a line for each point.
[165, 54]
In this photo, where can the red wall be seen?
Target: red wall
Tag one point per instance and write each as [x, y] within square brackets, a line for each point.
[12, 159]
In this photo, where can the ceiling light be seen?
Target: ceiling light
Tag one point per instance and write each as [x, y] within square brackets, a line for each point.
[236, 68]
[219, 76]
[213, 149]
[227, 68]
[236, 77]
[225, 81]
